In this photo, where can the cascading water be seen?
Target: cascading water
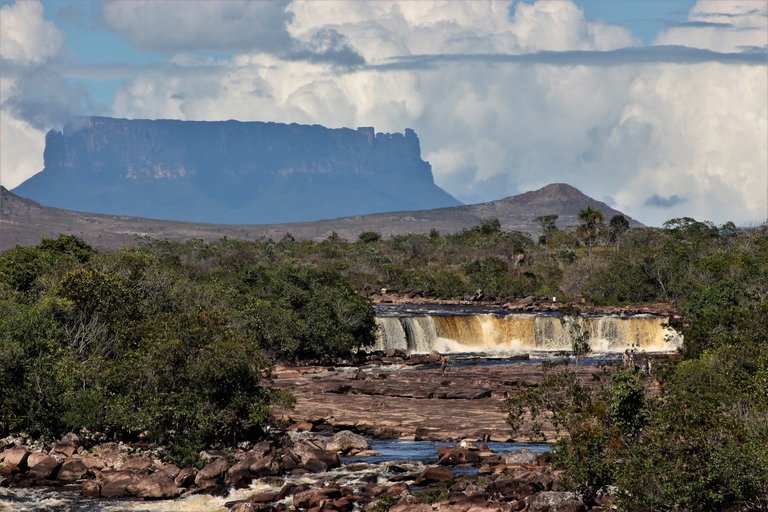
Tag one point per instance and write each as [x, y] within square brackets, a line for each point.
[498, 333]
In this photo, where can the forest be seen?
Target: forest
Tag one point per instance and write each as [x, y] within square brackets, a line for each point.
[175, 342]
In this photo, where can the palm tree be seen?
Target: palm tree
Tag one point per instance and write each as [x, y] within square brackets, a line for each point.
[592, 219]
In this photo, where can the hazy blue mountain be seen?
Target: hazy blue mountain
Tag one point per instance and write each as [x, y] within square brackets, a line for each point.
[231, 172]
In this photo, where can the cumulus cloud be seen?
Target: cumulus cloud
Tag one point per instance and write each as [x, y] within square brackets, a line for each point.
[33, 98]
[506, 101]
[187, 25]
[505, 98]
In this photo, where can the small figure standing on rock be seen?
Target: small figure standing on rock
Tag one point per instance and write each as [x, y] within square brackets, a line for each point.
[443, 362]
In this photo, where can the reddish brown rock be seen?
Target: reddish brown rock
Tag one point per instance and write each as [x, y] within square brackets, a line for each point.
[14, 460]
[72, 470]
[452, 455]
[512, 489]
[432, 475]
[186, 477]
[91, 489]
[65, 449]
[158, 485]
[42, 466]
[135, 464]
[315, 497]
[116, 484]
[213, 470]
[346, 442]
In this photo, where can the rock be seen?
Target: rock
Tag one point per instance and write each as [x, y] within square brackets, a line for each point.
[301, 426]
[523, 456]
[239, 475]
[91, 462]
[65, 449]
[315, 497]
[91, 489]
[158, 485]
[346, 441]
[265, 466]
[315, 459]
[432, 475]
[452, 455]
[171, 470]
[71, 438]
[117, 484]
[138, 464]
[212, 471]
[42, 466]
[553, 501]
[512, 489]
[186, 477]
[72, 470]
[14, 460]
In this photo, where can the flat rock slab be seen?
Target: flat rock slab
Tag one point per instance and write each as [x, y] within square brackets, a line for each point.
[413, 402]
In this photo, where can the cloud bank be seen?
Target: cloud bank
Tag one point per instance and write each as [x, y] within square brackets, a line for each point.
[505, 97]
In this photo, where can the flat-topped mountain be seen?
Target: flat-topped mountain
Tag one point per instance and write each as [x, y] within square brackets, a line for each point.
[231, 172]
[24, 222]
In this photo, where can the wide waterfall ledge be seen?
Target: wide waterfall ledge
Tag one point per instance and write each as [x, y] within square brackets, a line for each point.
[496, 333]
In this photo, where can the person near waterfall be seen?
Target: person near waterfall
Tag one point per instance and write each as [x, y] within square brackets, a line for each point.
[443, 362]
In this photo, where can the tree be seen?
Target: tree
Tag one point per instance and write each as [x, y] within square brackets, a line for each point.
[617, 226]
[368, 237]
[592, 220]
[548, 226]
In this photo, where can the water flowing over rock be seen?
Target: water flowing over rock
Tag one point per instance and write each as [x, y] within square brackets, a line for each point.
[494, 333]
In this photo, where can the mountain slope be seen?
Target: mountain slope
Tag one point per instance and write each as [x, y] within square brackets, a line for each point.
[24, 222]
[231, 172]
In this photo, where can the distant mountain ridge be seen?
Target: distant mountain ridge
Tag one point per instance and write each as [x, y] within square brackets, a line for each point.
[231, 172]
[24, 222]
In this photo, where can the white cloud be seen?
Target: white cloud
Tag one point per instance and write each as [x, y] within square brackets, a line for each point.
[631, 132]
[27, 41]
[26, 36]
[185, 25]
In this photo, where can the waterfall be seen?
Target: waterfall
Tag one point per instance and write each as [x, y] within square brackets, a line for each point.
[495, 333]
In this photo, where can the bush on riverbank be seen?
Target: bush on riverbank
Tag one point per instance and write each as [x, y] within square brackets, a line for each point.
[701, 441]
[152, 344]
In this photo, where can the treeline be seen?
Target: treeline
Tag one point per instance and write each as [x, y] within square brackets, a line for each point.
[168, 343]
[694, 435]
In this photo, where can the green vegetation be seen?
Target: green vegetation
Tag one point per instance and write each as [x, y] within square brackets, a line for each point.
[175, 342]
[694, 434]
[169, 342]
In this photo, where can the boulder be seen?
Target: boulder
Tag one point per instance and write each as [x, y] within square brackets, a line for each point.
[346, 441]
[14, 460]
[300, 426]
[452, 455]
[65, 449]
[433, 475]
[315, 459]
[158, 485]
[523, 456]
[72, 470]
[315, 497]
[265, 466]
[136, 464]
[91, 489]
[186, 477]
[213, 470]
[239, 475]
[116, 485]
[512, 489]
[42, 466]
[553, 501]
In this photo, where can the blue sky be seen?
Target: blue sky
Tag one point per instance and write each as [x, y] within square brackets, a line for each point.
[657, 107]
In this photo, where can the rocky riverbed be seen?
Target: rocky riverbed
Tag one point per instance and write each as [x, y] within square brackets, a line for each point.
[321, 462]
[406, 402]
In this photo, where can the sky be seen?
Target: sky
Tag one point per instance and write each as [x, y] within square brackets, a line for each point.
[657, 107]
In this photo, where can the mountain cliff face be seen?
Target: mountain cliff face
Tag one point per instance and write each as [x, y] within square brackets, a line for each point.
[231, 172]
